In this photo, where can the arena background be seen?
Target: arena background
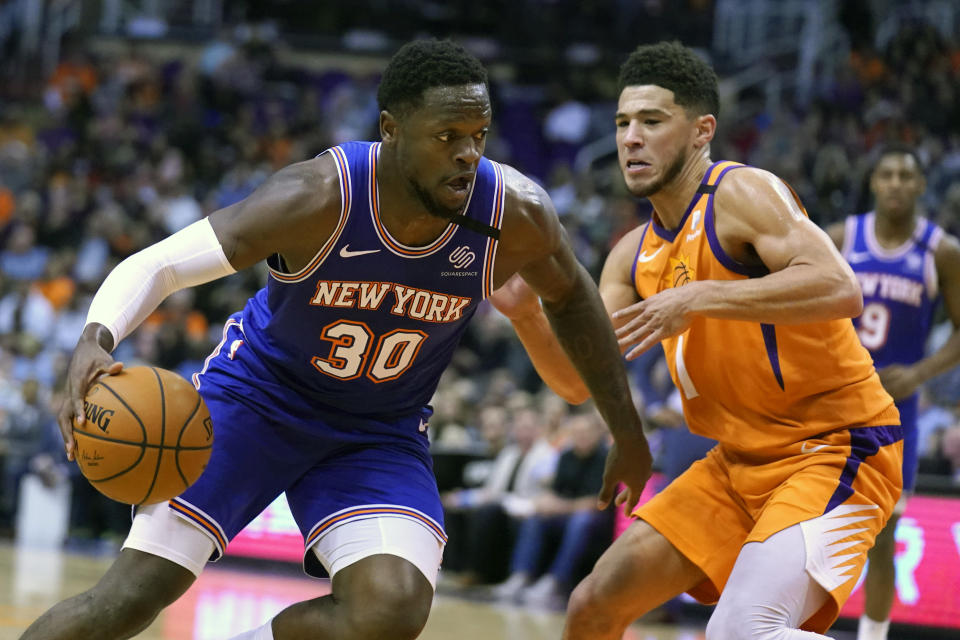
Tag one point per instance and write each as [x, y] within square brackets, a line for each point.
[123, 121]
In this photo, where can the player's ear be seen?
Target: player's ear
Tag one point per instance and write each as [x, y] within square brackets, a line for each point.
[388, 126]
[706, 127]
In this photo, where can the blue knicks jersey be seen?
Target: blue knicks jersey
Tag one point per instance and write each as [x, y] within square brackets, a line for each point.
[369, 325]
[899, 289]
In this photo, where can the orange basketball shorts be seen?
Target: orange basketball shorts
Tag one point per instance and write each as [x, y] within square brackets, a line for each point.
[841, 487]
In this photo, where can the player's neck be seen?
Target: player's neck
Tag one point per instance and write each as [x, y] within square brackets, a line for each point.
[671, 201]
[891, 231]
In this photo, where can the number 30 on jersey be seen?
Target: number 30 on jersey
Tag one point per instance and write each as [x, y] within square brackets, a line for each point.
[351, 353]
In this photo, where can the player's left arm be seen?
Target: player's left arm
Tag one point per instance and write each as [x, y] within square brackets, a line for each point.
[901, 381]
[760, 224]
[534, 245]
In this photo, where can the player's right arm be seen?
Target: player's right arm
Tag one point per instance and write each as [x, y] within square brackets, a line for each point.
[520, 304]
[292, 213]
[836, 233]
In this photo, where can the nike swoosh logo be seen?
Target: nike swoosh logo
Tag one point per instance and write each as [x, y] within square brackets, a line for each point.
[346, 253]
[804, 448]
[643, 257]
[693, 236]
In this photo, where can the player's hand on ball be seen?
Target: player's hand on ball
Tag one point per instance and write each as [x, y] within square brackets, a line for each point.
[89, 362]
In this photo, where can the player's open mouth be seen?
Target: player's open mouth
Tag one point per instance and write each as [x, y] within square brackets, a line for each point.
[459, 185]
[634, 166]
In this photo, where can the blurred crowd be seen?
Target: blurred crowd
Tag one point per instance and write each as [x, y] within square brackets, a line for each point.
[119, 147]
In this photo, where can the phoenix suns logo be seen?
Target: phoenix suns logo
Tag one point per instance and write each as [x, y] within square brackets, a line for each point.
[680, 272]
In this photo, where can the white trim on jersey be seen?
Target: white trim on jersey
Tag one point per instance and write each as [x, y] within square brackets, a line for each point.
[930, 278]
[849, 236]
[390, 243]
[496, 221]
[216, 350]
[346, 204]
[881, 253]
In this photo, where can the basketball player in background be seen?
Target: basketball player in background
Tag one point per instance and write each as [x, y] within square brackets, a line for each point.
[379, 253]
[807, 466]
[905, 264]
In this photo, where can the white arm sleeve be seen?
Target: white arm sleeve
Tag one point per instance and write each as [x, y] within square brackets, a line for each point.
[140, 283]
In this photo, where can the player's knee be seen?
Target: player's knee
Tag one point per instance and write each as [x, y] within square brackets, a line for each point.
[586, 607]
[397, 609]
[136, 588]
[746, 622]
[130, 608]
[581, 598]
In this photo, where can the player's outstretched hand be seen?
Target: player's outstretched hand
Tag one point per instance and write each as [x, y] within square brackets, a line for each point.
[89, 362]
[650, 321]
[628, 461]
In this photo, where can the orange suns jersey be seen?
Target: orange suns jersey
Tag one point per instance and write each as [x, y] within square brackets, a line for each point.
[749, 385]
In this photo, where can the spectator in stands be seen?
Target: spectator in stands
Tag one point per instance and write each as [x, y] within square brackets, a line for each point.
[568, 510]
[29, 442]
[516, 479]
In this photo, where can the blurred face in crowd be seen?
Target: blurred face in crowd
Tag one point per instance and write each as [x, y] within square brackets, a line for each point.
[493, 425]
[527, 427]
[438, 145]
[585, 434]
[897, 183]
[655, 136]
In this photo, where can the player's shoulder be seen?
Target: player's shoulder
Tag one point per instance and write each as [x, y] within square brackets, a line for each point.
[524, 195]
[310, 185]
[752, 194]
[947, 254]
[747, 182]
[527, 205]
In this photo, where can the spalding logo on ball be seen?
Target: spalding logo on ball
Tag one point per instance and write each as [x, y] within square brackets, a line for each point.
[147, 435]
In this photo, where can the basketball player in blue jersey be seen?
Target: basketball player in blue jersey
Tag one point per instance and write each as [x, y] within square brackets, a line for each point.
[379, 253]
[905, 264]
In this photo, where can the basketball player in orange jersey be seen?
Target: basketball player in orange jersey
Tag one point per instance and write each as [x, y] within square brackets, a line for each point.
[379, 254]
[905, 264]
[752, 303]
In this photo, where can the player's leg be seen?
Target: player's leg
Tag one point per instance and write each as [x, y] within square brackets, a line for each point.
[758, 603]
[687, 539]
[384, 572]
[371, 514]
[640, 571]
[136, 587]
[853, 482]
[879, 585]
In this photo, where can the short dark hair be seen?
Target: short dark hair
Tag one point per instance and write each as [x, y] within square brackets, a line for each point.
[424, 64]
[675, 67]
[897, 149]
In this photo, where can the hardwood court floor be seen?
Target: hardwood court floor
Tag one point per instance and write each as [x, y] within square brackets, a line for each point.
[225, 601]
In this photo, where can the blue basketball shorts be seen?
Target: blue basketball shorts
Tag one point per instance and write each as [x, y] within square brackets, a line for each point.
[334, 469]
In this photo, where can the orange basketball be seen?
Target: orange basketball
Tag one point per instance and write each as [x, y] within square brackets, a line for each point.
[147, 435]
